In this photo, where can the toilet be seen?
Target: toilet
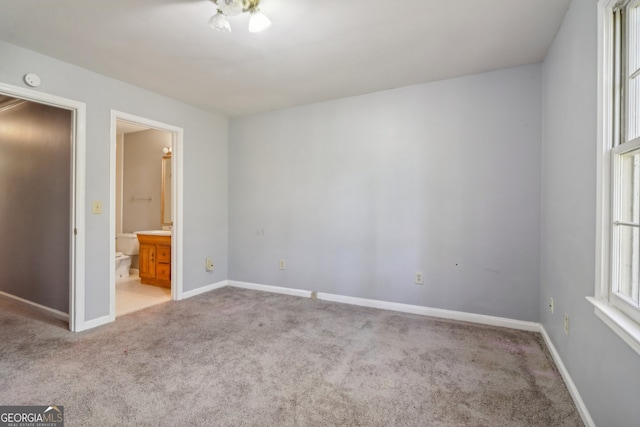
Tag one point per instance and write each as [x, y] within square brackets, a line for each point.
[126, 246]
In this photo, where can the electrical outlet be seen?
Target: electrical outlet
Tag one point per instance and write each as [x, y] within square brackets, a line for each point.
[551, 306]
[418, 278]
[566, 323]
[209, 264]
[283, 264]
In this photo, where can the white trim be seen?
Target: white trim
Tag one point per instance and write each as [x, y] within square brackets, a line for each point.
[113, 144]
[77, 298]
[177, 210]
[177, 214]
[571, 386]
[48, 310]
[272, 289]
[434, 312]
[394, 306]
[202, 290]
[603, 155]
[77, 249]
[626, 328]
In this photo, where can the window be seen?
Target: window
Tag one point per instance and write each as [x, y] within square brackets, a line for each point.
[625, 156]
[617, 297]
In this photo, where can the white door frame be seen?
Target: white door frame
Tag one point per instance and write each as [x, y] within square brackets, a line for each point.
[176, 203]
[76, 315]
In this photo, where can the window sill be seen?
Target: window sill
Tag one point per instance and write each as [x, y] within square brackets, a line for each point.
[621, 324]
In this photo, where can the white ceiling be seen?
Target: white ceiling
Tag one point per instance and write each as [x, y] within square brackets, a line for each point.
[314, 51]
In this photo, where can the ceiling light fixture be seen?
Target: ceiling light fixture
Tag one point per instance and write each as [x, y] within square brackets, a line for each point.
[227, 8]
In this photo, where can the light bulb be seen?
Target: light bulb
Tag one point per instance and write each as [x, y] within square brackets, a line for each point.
[220, 22]
[258, 22]
[231, 7]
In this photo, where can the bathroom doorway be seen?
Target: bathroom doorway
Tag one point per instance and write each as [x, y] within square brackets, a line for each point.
[146, 207]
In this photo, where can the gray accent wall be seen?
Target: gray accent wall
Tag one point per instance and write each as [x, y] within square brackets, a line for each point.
[35, 203]
[205, 166]
[604, 368]
[358, 194]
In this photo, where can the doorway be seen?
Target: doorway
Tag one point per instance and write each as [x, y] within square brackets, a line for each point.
[41, 202]
[146, 200]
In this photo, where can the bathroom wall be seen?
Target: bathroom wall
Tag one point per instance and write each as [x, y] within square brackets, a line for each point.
[35, 152]
[142, 179]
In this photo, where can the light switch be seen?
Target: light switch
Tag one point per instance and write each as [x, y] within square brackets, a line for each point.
[97, 207]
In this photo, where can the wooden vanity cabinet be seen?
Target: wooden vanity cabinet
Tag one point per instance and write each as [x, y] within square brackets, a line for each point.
[155, 260]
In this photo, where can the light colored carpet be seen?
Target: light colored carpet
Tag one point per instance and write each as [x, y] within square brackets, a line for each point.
[235, 357]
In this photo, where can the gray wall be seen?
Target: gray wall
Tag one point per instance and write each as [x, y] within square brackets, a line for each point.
[35, 188]
[205, 165]
[604, 368]
[142, 178]
[358, 194]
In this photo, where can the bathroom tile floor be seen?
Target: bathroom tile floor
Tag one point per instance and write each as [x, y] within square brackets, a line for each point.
[131, 295]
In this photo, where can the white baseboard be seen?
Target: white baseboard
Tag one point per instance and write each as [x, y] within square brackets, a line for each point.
[434, 312]
[269, 288]
[573, 390]
[393, 306]
[51, 311]
[211, 287]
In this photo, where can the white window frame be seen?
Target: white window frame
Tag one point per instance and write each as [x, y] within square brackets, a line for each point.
[623, 319]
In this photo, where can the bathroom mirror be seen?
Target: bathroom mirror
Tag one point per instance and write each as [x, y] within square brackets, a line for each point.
[165, 202]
